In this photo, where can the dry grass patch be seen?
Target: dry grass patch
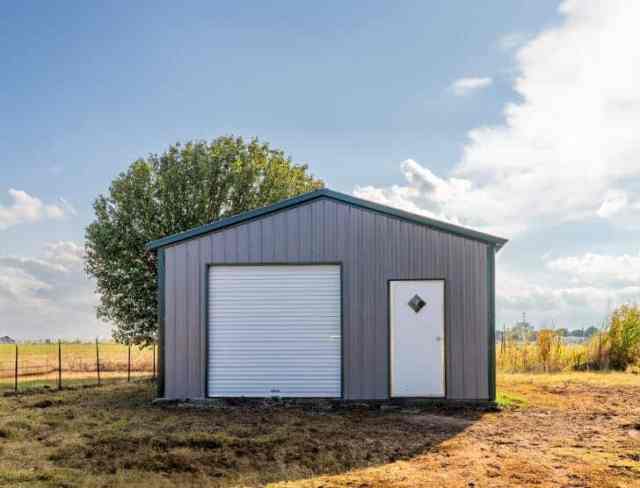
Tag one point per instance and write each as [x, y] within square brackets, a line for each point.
[558, 430]
[590, 391]
[95, 436]
[562, 430]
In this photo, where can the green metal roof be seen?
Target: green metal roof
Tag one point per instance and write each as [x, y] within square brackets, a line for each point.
[498, 242]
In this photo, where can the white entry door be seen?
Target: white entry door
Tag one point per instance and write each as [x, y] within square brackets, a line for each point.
[274, 330]
[417, 338]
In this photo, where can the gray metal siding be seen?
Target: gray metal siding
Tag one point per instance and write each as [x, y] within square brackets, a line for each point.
[373, 249]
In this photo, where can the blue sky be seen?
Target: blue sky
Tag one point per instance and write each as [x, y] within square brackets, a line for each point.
[403, 102]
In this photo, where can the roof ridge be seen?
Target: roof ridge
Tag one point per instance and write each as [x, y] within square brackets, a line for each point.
[498, 242]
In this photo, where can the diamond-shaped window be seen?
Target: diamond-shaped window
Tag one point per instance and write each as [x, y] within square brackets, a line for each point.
[416, 303]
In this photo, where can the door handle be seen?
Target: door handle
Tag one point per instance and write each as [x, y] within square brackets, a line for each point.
[438, 338]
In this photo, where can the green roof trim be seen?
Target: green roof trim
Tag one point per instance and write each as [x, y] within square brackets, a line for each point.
[498, 242]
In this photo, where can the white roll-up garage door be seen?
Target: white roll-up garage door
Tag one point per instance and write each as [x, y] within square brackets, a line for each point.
[274, 330]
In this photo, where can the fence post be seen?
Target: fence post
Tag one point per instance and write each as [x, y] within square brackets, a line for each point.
[59, 365]
[16, 372]
[129, 365]
[98, 361]
[153, 346]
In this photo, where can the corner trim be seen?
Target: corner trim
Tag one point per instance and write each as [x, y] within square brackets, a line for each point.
[491, 296]
[161, 321]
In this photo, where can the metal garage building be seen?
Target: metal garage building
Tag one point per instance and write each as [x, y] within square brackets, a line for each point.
[327, 295]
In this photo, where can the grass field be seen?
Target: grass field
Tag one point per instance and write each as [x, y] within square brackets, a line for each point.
[568, 429]
[38, 363]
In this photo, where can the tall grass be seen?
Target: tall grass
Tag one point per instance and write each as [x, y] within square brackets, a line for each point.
[616, 347]
[550, 353]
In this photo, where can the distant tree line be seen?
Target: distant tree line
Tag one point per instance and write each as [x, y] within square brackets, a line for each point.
[523, 331]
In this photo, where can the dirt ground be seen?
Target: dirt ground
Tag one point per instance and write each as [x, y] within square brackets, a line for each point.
[572, 430]
[564, 430]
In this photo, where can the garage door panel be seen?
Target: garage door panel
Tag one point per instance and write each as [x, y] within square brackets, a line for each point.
[275, 330]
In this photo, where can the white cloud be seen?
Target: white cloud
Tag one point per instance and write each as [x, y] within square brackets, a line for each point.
[600, 269]
[423, 195]
[70, 209]
[64, 252]
[465, 86]
[27, 209]
[583, 303]
[567, 152]
[512, 40]
[614, 202]
[48, 296]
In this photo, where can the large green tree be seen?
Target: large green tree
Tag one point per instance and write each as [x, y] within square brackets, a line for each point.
[186, 186]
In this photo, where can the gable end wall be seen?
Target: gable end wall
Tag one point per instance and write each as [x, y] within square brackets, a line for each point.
[373, 248]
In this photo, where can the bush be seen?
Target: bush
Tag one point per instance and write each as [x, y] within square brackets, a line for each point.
[624, 336]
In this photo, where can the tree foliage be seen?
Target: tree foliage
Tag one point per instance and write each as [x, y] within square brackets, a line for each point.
[591, 331]
[624, 336]
[186, 186]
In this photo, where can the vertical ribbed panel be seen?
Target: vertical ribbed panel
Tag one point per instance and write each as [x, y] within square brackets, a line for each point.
[274, 330]
[373, 249]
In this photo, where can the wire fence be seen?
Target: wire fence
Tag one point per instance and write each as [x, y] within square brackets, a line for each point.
[56, 365]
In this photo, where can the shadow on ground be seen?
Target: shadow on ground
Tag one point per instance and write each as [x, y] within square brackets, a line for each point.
[573, 429]
[117, 428]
